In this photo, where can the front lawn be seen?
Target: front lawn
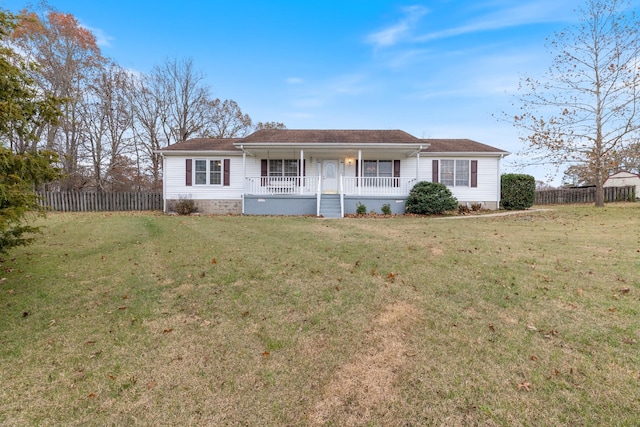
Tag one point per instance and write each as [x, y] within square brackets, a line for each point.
[145, 319]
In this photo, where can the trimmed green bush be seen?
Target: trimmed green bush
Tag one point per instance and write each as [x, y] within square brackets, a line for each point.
[429, 198]
[361, 209]
[517, 191]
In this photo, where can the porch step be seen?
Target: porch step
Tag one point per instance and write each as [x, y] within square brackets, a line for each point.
[330, 205]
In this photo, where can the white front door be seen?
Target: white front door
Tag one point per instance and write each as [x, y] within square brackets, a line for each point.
[329, 176]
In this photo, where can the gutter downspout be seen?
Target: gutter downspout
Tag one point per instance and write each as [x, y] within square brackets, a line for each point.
[418, 164]
[244, 175]
[360, 172]
[164, 184]
[499, 184]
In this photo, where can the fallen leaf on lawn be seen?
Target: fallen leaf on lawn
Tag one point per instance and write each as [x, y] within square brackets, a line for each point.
[579, 292]
[122, 307]
[92, 395]
[624, 290]
[532, 328]
[166, 331]
[213, 261]
[151, 385]
[534, 357]
[52, 322]
[265, 354]
[524, 385]
[613, 309]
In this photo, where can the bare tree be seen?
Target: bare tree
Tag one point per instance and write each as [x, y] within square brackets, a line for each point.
[585, 109]
[226, 120]
[150, 104]
[187, 98]
[270, 125]
[108, 123]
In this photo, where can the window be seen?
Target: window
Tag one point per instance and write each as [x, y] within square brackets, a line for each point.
[462, 173]
[447, 172]
[377, 168]
[208, 172]
[279, 167]
[457, 173]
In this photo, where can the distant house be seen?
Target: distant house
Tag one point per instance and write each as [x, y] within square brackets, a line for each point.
[325, 172]
[622, 179]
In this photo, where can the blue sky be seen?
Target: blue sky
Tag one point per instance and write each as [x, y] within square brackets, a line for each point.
[434, 68]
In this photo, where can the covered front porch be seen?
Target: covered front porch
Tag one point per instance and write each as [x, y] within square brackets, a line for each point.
[304, 195]
[327, 179]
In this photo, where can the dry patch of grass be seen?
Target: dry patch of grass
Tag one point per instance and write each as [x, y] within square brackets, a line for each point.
[143, 319]
[363, 390]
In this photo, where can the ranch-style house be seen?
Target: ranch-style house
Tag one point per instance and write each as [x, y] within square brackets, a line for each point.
[324, 172]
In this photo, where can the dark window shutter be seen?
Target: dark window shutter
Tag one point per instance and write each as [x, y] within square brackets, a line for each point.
[357, 165]
[227, 172]
[189, 173]
[474, 173]
[396, 173]
[434, 171]
[264, 171]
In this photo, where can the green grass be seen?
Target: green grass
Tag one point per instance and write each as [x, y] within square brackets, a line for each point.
[144, 319]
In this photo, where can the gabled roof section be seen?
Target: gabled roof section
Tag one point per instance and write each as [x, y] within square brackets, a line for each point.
[203, 144]
[311, 136]
[459, 146]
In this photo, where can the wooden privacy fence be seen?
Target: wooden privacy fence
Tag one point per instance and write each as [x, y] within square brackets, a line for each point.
[584, 195]
[76, 201]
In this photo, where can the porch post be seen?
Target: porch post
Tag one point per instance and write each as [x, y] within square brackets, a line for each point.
[418, 164]
[301, 169]
[360, 172]
[244, 169]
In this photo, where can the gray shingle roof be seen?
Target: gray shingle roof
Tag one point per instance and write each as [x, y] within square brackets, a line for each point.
[331, 136]
[458, 146]
[204, 144]
[310, 136]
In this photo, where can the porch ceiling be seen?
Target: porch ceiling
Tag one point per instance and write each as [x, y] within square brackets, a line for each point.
[333, 152]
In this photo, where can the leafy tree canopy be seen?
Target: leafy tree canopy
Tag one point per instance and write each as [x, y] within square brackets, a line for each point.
[20, 173]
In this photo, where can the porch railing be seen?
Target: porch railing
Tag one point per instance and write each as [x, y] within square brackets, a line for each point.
[311, 185]
[281, 185]
[387, 186]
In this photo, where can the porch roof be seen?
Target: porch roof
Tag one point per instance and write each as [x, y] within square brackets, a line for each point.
[312, 140]
[328, 136]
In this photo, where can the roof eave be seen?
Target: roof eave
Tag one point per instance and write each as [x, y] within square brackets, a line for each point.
[467, 153]
[336, 145]
[197, 152]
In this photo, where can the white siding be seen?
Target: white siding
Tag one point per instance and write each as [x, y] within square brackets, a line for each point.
[622, 179]
[175, 181]
[488, 179]
[176, 187]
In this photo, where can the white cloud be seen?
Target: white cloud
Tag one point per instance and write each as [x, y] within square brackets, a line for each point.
[523, 14]
[399, 31]
[102, 38]
[326, 92]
